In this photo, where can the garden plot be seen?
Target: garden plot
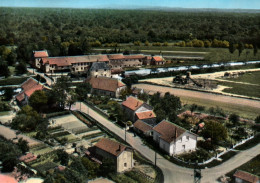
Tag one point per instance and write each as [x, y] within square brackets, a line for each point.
[70, 123]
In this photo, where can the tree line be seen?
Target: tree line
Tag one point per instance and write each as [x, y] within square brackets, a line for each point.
[74, 31]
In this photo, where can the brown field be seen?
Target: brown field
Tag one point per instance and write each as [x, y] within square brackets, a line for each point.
[246, 108]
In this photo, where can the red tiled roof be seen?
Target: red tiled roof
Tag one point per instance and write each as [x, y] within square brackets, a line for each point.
[66, 61]
[141, 56]
[28, 157]
[29, 87]
[104, 83]
[116, 71]
[132, 103]
[169, 131]
[110, 146]
[246, 176]
[145, 115]
[7, 179]
[158, 58]
[40, 54]
[142, 126]
[20, 96]
[116, 56]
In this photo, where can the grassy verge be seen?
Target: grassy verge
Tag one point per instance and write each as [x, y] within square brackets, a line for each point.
[3, 113]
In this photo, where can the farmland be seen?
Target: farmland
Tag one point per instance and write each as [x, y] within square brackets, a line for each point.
[245, 107]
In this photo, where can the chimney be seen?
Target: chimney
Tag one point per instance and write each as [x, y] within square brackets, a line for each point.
[137, 103]
[119, 148]
[176, 135]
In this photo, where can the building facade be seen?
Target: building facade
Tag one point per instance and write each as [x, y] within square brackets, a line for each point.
[174, 139]
[121, 155]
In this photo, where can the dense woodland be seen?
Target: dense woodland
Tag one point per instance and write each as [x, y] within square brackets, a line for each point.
[73, 31]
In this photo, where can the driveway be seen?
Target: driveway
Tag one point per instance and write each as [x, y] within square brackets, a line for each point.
[172, 173]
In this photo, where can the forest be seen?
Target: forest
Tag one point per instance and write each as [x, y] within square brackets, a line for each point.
[75, 31]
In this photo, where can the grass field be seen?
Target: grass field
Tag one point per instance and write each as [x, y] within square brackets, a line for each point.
[249, 77]
[241, 89]
[244, 112]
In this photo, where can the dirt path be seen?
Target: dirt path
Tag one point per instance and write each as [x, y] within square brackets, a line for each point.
[201, 95]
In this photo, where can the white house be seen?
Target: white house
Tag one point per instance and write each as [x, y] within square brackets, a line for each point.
[174, 139]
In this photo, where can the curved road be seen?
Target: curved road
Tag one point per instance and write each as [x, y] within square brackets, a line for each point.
[172, 173]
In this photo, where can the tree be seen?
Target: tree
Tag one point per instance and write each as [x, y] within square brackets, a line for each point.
[215, 131]
[231, 48]
[212, 111]
[21, 68]
[91, 166]
[23, 145]
[240, 48]
[257, 119]
[9, 92]
[4, 71]
[234, 119]
[255, 49]
[82, 90]
[71, 99]
[60, 91]
[193, 107]
[160, 115]
[143, 96]
[38, 100]
[63, 157]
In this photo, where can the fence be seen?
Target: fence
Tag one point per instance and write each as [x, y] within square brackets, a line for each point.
[217, 156]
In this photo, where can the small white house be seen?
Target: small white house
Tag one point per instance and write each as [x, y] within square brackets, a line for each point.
[174, 139]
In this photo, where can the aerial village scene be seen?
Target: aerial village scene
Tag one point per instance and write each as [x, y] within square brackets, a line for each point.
[141, 91]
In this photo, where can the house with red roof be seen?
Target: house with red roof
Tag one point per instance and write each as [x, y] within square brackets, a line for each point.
[245, 177]
[120, 154]
[157, 60]
[37, 56]
[135, 109]
[28, 88]
[143, 128]
[106, 86]
[174, 139]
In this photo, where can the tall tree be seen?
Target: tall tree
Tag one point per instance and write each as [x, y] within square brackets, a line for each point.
[4, 71]
[38, 100]
[231, 48]
[241, 47]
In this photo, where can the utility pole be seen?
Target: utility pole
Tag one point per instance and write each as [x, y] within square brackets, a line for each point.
[197, 174]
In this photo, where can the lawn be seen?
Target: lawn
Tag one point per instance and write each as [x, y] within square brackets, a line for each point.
[241, 89]
[249, 77]
[244, 112]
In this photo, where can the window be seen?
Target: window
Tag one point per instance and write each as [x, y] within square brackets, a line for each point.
[188, 138]
[183, 147]
[96, 70]
[125, 164]
[105, 70]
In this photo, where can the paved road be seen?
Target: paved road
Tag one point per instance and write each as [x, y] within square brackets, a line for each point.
[173, 173]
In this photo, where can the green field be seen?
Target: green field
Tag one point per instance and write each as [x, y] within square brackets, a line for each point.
[241, 89]
[249, 77]
[244, 112]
